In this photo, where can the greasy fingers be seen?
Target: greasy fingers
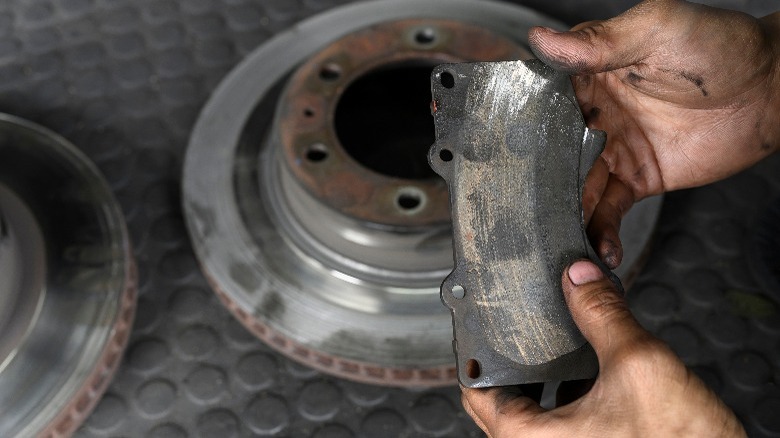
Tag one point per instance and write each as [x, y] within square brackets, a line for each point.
[646, 389]
[469, 410]
[599, 46]
[642, 388]
[569, 52]
[604, 225]
[599, 310]
[496, 409]
[594, 187]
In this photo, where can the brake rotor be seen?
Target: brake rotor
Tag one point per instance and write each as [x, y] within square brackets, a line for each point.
[308, 197]
[67, 283]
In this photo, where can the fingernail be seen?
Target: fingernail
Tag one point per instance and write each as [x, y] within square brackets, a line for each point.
[610, 253]
[582, 272]
[609, 257]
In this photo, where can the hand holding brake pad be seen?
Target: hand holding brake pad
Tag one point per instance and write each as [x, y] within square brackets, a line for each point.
[513, 147]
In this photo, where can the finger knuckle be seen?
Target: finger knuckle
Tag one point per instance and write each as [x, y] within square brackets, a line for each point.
[594, 32]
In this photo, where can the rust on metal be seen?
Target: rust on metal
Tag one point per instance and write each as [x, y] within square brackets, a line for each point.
[359, 371]
[83, 402]
[312, 150]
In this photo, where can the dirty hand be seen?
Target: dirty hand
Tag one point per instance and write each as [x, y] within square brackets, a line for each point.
[688, 94]
[643, 389]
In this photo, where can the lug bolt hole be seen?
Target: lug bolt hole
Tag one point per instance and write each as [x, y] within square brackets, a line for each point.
[425, 36]
[308, 113]
[330, 72]
[410, 200]
[445, 155]
[317, 152]
[447, 79]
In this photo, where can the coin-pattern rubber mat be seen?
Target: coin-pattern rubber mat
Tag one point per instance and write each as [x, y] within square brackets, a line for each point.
[125, 79]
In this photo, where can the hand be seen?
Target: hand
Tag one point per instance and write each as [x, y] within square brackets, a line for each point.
[688, 94]
[643, 389]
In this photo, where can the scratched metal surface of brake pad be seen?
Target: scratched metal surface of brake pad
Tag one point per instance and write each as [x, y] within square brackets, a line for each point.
[513, 147]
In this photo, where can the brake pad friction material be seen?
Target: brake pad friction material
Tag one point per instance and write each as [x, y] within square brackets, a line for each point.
[513, 147]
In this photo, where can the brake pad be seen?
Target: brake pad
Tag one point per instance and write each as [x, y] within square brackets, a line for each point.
[513, 147]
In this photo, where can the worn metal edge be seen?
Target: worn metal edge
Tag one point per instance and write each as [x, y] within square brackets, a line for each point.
[359, 371]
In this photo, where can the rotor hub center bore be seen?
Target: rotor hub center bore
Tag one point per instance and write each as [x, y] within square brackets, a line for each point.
[355, 123]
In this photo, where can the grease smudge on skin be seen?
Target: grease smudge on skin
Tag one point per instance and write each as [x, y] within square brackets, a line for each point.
[695, 80]
[634, 78]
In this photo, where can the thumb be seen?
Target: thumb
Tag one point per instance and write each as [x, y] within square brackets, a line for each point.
[599, 46]
[599, 310]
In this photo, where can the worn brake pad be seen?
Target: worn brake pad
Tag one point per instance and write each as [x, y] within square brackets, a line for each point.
[513, 147]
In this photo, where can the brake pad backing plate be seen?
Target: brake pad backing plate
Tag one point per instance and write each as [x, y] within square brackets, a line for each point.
[514, 149]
